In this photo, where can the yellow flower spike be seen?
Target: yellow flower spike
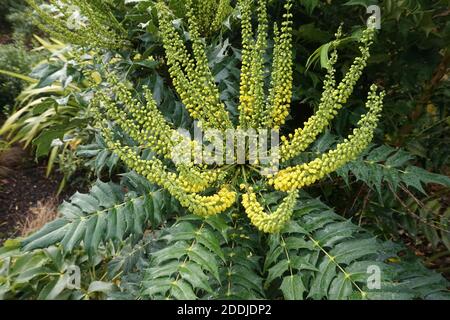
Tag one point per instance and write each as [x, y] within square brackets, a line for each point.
[211, 14]
[273, 222]
[305, 174]
[331, 101]
[280, 92]
[196, 180]
[191, 75]
[144, 123]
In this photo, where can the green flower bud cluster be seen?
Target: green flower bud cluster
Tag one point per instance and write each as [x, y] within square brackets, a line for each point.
[101, 29]
[331, 101]
[143, 122]
[154, 169]
[305, 174]
[252, 96]
[156, 172]
[224, 9]
[211, 14]
[246, 101]
[194, 179]
[191, 76]
[272, 222]
[146, 125]
[256, 110]
[207, 205]
[280, 92]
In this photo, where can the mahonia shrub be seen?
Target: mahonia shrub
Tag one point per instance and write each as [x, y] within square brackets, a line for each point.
[259, 108]
[169, 229]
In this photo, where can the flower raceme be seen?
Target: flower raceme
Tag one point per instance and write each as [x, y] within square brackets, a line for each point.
[296, 177]
[209, 189]
[273, 222]
[210, 14]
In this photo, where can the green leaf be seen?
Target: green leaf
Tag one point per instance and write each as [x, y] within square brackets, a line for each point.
[44, 140]
[101, 286]
[103, 214]
[53, 289]
[310, 5]
[175, 251]
[48, 239]
[292, 287]
[98, 233]
[336, 265]
[181, 290]
[72, 239]
[341, 288]
[194, 275]
[204, 258]
[277, 270]
[211, 242]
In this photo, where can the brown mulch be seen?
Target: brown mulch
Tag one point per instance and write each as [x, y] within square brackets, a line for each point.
[21, 189]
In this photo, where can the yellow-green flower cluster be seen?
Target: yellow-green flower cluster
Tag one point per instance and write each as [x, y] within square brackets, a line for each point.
[246, 101]
[156, 172]
[208, 205]
[223, 10]
[252, 73]
[305, 174]
[255, 110]
[191, 180]
[331, 101]
[253, 96]
[211, 14]
[191, 76]
[280, 92]
[101, 29]
[269, 222]
[194, 179]
[143, 122]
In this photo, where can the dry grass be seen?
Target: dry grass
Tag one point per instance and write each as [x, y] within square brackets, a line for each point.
[42, 213]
